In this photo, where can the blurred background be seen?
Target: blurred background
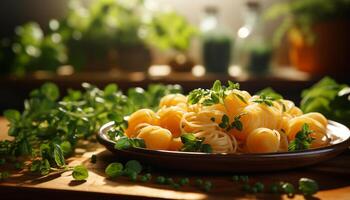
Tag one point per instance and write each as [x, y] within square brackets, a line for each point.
[284, 44]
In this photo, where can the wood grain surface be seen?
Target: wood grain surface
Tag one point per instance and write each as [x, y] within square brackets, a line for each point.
[333, 177]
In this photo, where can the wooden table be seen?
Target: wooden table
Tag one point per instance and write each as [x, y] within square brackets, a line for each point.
[333, 177]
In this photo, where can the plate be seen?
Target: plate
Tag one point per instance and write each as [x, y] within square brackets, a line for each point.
[218, 162]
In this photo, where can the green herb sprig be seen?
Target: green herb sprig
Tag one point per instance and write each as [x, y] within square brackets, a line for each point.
[215, 95]
[194, 144]
[50, 126]
[236, 124]
[302, 139]
[263, 99]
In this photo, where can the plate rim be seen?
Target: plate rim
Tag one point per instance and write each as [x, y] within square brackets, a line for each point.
[104, 140]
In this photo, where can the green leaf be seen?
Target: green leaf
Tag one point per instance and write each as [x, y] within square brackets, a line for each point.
[269, 92]
[208, 102]
[215, 98]
[110, 89]
[206, 148]
[133, 165]
[80, 173]
[188, 138]
[66, 147]
[12, 115]
[58, 155]
[114, 170]
[237, 124]
[194, 144]
[302, 139]
[225, 121]
[240, 97]
[137, 143]
[288, 189]
[45, 150]
[24, 147]
[196, 95]
[115, 117]
[216, 86]
[123, 143]
[264, 100]
[232, 85]
[308, 186]
[35, 166]
[44, 167]
[51, 91]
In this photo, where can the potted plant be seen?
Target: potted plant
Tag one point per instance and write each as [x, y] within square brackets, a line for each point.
[318, 32]
[31, 50]
[168, 30]
[105, 35]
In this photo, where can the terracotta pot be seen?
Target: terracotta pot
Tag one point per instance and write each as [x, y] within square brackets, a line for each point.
[328, 54]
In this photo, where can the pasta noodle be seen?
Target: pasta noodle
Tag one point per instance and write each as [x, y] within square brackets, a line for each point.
[173, 100]
[229, 120]
[140, 117]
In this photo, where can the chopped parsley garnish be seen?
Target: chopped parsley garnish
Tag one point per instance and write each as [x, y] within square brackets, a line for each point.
[302, 139]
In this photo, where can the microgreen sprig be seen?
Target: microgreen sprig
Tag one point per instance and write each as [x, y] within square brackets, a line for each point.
[302, 139]
[215, 95]
[193, 144]
[263, 99]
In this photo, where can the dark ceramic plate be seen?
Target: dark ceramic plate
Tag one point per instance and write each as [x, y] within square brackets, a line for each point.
[339, 134]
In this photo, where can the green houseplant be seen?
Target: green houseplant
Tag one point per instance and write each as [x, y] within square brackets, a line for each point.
[317, 31]
[169, 30]
[99, 36]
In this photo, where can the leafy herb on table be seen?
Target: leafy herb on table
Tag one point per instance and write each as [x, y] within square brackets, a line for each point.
[329, 98]
[80, 173]
[50, 126]
[302, 139]
[308, 186]
[131, 169]
[133, 165]
[114, 170]
[193, 144]
[288, 189]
